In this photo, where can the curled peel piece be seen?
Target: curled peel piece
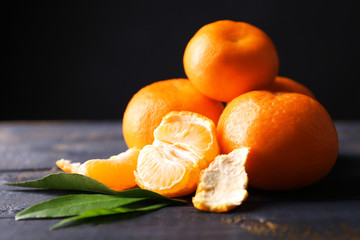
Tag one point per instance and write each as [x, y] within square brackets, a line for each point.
[222, 186]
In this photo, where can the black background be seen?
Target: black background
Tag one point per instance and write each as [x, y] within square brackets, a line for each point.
[84, 60]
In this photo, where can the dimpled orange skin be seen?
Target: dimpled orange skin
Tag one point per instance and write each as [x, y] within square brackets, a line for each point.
[292, 139]
[226, 58]
[149, 105]
[285, 84]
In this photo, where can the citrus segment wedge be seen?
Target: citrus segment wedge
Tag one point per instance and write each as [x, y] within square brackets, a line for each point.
[68, 166]
[117, 172]
[190, 131]
[167, 170]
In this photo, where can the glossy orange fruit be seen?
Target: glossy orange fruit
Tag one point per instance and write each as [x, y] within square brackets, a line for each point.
[117, 172]
[148, 106]
[292, 139]
[226, 58]
[284, 84]
[185, 143]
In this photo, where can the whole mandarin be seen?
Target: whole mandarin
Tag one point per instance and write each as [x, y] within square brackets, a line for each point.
[225, 59]
[292, 138]
[149, 105]
[285, 84]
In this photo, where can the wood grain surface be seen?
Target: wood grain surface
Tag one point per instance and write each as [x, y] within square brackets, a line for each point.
[28, 150]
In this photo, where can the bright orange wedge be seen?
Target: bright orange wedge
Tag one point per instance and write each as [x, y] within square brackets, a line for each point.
[185, 143]
[117, 172]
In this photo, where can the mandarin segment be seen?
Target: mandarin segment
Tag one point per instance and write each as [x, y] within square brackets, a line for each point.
[149, 105]
[116, 173]
[185, 143]
[222, 186]
[192, 132]
[170, 171]
[68, 166]
[292, 138]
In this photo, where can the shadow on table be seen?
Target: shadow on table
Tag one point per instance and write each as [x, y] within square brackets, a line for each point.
[342, 183]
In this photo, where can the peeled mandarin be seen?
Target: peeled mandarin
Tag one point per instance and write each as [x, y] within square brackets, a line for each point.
[185, 143]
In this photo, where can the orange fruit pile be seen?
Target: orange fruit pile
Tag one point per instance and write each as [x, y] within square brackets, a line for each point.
[275, 133]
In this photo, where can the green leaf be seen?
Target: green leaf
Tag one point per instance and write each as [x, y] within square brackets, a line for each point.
[73, 181]
[66, 181]
[75, 204]
[105, 212]
[84, 207]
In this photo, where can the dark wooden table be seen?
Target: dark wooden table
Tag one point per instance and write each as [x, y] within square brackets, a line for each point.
[28, 150]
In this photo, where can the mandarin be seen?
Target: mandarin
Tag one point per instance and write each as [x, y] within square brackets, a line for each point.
[185, 143]
[226, 58]
[292, 138]
[149, 105]
[285, 84]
